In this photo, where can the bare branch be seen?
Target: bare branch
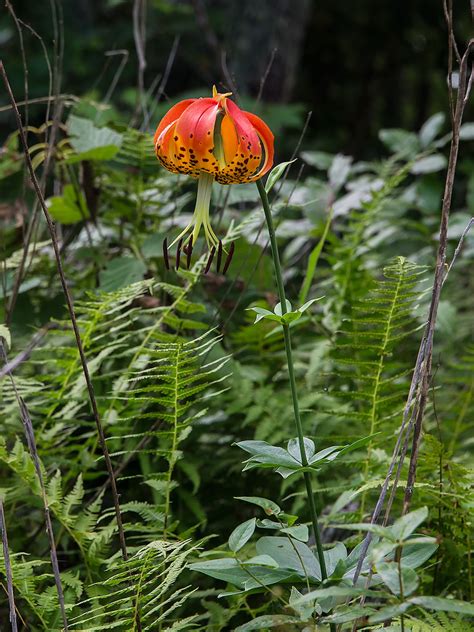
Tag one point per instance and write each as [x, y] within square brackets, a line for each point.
[8, 569]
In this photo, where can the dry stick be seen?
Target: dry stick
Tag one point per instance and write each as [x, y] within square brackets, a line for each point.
[439, 274]
[8, 569]
[40, 100]
[459, 246]
[263, 80]
[420, 379]
[72, 316]
[31, 441]
[123, 62]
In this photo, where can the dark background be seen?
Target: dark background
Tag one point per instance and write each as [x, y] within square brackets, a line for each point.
[358, 66]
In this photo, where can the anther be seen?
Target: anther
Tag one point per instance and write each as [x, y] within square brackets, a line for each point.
[188, 249]
[178, 252]
[219, 256]
[165, 253]
[229, 258]
[209, 261]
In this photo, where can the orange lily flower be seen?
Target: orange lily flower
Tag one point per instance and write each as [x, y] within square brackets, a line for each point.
[211, 139]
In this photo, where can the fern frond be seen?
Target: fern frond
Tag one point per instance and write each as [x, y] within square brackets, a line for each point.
[144, 588]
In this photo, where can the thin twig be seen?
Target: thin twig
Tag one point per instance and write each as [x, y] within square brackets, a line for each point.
[123, 62]
[459, 246]
[264, 78]
[72, 316]
[40, 100]
[8, 569]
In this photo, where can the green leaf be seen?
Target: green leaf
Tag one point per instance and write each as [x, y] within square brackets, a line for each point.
[334, 556]
[231, 571]
[290, 317]
[389, 612]
[390, 575]
[293, 448]
[308, 304]
[275, 174]
[90, 142]
[319, 159]
[241, 534]
[444, 604]
[302, 560]
[314, 258]
[406, 525]
[348, 614]
[260, 560]
[466, 131]
[304, 610]
[339, 171]
[278, 310]
[267, 621]
[399, 141]
[264, 313]
[429, 164]
[431, 128]
[299, 532]
[414, 555]
[337, 592]
[357, 444]
[266, 455]
[268, 506]
[376, 529]
[68, 208]
[121, 272]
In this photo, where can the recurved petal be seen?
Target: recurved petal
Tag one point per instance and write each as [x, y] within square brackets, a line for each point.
[246, 134]
[267, 139]
[172, 115]
[247, 150]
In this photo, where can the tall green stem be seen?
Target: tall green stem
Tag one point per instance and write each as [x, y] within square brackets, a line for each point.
[291, 375]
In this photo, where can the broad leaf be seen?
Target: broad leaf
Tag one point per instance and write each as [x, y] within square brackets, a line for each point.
[241, 534]
[68, 208]
[90, 142]
[446, 605]
[295, 555]
[268, 506]
[390, 575]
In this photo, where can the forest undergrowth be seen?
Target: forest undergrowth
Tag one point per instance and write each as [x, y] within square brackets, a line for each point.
[152, 477]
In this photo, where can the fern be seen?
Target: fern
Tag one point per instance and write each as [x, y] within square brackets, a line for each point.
[349, 253]
[369, 377]
[34, 587]
[438, 622]
[144, 588]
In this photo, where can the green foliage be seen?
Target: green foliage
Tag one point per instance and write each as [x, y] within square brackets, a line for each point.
[141, 589]
[183, 378]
